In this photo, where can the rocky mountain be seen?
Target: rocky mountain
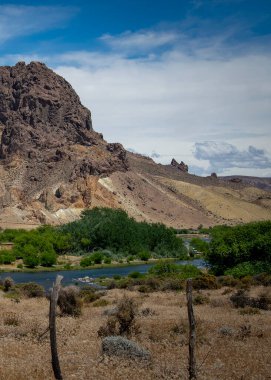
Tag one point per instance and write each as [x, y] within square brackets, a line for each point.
[53, 165]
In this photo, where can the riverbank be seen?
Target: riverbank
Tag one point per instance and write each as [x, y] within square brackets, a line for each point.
[46, 278]
[68, 267]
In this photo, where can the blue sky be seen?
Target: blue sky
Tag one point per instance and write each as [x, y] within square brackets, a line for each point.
[183, 79]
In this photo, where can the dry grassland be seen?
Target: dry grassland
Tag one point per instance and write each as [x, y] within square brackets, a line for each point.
[229, 345]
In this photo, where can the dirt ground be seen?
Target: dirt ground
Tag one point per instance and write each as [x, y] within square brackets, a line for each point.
[229, 345]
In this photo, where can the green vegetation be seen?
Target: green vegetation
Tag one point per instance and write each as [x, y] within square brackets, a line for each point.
[199, 245]
[116, 232]
[101, 235]
[241, 250]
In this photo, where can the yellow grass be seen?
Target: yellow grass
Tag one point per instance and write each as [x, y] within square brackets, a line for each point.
[163, 332]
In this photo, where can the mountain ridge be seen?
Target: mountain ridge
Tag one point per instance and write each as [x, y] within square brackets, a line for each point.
[53, 165]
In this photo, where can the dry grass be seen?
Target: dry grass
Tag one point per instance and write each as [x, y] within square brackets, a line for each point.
[244, 353]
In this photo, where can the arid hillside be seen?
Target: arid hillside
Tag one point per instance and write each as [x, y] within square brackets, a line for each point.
[53, 165]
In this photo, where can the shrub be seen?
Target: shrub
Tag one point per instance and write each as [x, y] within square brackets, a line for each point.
[244, 332]
[189, 271]
[6, 257]
[200, 299]
[144, 255]
[11, 319]
[86, 262]
[164, 268]
[144, 289]
[88, 295]
[107, 260]
[135, 275]
[242, 270]
[48, 259]
[97, 257]
[205, 281]
[172, 284]
[228, 281]
[100, 303]
[147, 312]
[122, 322]
[248, 310]
[8, 283]
[226, 331]
[153, 283]
[31, 290]
[31, 260]
[263, 279]
[241, 299]
[69, 301]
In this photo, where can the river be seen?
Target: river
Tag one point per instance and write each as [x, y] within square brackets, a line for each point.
[46, 279]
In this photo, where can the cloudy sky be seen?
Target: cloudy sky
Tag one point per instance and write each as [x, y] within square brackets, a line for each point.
[188, 79]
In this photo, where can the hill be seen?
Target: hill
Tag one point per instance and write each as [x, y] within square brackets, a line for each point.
[53, 165]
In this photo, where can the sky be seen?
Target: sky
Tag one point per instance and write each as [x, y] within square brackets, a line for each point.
[189, 79]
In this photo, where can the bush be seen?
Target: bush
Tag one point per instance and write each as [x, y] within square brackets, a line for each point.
[97, 257]
[31, 260]
[174, 284]
[189, 271]
[122, 322]
[241, 300]
[205, 281]
[200, 299]
[48, 259]
[6, 257]
[8, 283]
[88, 295]
[144, 255]
[164, 268]
[11, 319]
[248, 310]
[107, 260]
[69, 301]
[245, 269]
[100, 303]
[228, 281]
[263, 279]
[135, 275]
[31, 290]
[86, 262]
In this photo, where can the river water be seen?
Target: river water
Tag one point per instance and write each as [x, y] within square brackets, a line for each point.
[46, 279]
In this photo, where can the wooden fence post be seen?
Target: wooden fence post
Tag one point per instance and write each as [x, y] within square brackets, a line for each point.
[192, 331]
[52, 328]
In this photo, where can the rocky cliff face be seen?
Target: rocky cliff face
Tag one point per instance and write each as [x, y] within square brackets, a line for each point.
[47, 141]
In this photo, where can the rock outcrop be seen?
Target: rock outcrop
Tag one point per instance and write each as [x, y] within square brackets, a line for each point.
[47, 141]
[181, 166]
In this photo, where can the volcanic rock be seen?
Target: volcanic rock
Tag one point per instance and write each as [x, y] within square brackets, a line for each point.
[181, 166]
[47, 139]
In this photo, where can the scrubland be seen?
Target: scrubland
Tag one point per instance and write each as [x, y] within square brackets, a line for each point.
[232, 343]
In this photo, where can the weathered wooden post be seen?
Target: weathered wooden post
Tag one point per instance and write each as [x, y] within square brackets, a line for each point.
[192, 331]
[52, 328]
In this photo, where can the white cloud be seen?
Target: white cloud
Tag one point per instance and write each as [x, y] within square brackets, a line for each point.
[141, 41]
[20, 20]
[223, 156]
